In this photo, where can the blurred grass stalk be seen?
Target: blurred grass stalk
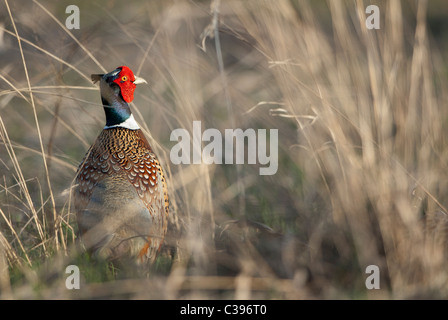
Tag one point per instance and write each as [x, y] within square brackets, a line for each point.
[378, 131]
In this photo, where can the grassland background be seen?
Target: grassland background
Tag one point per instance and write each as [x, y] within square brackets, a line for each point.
[363, 155]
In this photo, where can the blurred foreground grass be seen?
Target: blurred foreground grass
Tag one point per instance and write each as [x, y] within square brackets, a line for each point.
[362, 149]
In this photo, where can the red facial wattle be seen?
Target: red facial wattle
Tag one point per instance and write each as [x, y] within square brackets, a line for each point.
[127, 90]
[125, 81]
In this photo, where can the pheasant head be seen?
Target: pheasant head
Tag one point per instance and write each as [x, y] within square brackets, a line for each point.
[117, 91]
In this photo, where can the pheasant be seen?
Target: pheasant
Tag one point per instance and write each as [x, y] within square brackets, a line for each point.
[121, 200]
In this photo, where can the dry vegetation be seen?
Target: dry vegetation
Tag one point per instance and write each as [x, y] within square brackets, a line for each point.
[362, 150]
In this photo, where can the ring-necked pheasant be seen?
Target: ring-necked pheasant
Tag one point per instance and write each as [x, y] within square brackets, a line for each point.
[121, 201]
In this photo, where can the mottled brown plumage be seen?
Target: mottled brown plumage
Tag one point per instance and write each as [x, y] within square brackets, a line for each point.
[121, 201]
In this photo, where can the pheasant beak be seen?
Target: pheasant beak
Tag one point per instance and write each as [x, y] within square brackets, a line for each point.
[139, 80]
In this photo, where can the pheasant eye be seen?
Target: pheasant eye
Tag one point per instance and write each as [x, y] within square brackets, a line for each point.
[124, 78]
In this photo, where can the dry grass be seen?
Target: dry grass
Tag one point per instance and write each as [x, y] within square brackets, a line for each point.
[362, 149]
